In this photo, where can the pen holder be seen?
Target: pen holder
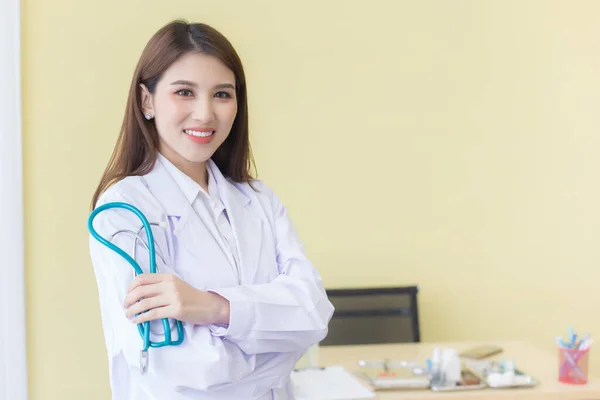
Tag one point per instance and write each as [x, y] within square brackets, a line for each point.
[573, 366]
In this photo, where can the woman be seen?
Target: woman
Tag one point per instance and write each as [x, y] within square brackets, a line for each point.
[231, 267]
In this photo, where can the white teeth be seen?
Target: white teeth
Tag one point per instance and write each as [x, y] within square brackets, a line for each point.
[198, 134]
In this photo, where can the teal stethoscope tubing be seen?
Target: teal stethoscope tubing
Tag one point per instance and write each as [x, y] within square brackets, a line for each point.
[143, 328]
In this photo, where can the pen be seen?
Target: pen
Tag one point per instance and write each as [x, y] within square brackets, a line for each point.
[561, 343]
[585, 345]
[571, 337]
[583, 341]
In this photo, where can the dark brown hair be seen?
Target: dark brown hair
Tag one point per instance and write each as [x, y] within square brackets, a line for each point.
[136, 148]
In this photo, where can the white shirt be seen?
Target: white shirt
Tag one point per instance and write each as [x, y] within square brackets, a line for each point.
[209, 208]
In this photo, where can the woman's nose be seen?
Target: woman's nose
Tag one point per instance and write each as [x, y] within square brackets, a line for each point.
[204, 111]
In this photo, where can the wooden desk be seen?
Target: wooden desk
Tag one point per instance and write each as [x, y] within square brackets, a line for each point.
[540, 364]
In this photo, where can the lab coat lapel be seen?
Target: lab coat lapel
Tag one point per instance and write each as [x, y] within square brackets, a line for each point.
[188, 228]
[246, 225]
[166, 191]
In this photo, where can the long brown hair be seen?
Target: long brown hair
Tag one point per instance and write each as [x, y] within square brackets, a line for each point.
[136, 149]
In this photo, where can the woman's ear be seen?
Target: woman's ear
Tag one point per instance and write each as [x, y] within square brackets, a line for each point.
[147, 103]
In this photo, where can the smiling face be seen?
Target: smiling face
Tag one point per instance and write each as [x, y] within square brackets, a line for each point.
[194, 106]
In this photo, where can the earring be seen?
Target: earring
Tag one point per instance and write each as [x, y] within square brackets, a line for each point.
[148, 116]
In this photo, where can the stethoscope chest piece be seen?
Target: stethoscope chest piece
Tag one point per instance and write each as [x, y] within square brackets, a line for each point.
[144, 361]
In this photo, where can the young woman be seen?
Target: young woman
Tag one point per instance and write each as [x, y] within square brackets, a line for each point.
[231, 268]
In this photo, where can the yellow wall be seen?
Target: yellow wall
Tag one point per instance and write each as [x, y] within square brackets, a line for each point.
[451, 144]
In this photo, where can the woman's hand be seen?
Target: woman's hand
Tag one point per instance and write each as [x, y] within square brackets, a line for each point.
[167, 296]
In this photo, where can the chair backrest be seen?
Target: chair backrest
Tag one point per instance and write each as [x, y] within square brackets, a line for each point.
[373, 315]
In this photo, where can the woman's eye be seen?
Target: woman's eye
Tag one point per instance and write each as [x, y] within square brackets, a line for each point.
[184, 92]
[223, 95]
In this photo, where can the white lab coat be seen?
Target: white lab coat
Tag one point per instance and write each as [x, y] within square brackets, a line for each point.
[278, 311]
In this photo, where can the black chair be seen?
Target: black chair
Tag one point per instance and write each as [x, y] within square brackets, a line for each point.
[374, 315]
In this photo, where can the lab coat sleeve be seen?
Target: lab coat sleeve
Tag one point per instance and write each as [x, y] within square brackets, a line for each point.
[288, 314]
[202, 361]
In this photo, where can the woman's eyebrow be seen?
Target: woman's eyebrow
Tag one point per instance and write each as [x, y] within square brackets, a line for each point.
[192, 84]
[225, 86]
[184, 82]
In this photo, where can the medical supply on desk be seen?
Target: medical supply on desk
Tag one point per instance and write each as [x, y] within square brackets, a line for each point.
[449, 363]
[389, 374]
[445, 371]
[502, 374]
[448, 374]
[143, 328]
[442, 372]
[573, 358]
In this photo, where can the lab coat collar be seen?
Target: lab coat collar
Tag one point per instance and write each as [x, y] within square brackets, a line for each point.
[175, 203]
[246, 225]
[190, 188]
[226, 190]
[166, 190]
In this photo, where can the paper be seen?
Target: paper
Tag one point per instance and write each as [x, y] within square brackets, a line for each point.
[332, 383]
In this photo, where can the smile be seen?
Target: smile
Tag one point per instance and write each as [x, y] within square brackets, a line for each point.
[198, 133]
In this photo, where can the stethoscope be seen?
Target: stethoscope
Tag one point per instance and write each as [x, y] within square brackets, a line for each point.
[143, 328]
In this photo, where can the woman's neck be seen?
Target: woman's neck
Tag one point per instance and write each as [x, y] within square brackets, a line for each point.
[195, 170]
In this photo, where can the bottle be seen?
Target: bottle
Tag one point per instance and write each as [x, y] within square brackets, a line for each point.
[437, 373]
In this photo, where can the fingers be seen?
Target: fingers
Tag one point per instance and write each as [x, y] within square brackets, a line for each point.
[148, 279]
[153, 314]
[145, 305]
[145, 291]
[152, 296]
